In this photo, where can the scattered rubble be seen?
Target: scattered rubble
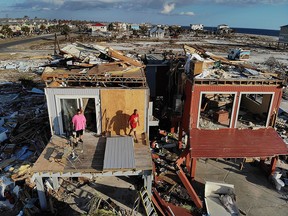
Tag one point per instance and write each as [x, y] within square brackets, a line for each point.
[23, 66]
[24, 129]
[24, 133]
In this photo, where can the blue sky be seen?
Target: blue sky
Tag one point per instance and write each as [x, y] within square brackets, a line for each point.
[267, 14]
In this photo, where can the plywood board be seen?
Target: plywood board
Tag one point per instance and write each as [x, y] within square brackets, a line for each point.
[116, 107]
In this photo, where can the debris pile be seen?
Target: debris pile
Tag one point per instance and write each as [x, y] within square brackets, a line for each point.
[24, 133]
[168, 185]
[282, 126]
[93, 65]
[34, 66]
[206, 65]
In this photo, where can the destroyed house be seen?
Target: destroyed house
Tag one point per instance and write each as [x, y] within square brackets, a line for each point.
[230, 108]
[107, 92]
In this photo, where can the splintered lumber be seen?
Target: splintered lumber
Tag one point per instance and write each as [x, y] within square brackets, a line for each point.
[167, 179]
[120, 56]
[23, 170]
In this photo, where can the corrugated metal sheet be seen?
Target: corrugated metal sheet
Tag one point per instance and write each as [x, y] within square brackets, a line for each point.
[119, 153]
[234, 143]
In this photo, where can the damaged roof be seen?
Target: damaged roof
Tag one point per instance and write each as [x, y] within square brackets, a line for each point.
[218, 68]
[94, 65]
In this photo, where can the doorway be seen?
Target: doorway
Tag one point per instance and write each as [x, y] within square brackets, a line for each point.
[67, 108]
[89, 112]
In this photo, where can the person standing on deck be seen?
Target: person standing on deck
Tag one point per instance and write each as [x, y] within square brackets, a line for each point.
[79, 124]
[133, 121]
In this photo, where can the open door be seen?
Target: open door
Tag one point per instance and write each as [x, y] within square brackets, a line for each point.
[67, 108]
[89, 111]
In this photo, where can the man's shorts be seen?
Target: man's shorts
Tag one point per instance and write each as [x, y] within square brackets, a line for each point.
[133, 127]
[79, 133]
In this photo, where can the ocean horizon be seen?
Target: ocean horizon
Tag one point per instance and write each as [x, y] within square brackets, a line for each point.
[254, 31]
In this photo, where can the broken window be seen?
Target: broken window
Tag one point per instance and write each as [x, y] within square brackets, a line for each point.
[216, 110]
[253, 110]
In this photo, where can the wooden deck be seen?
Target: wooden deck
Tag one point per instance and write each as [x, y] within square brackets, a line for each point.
[92, 158]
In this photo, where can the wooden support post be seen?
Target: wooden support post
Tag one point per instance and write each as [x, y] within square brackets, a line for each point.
[157, 205]
[41, 193]
[55, 183]
[188, 162]
[180, 134]
[189, 187]
[273, 164]
[183, 156]
[193, 168]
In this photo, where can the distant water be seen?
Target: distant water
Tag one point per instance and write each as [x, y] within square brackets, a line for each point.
[267, 32]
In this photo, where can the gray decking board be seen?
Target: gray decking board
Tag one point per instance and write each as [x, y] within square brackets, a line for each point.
[119, 153]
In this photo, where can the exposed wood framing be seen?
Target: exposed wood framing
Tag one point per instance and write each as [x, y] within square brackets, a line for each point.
[238, 82]
[93, 79]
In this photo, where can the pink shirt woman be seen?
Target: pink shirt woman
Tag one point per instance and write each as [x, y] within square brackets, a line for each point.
[79, 121]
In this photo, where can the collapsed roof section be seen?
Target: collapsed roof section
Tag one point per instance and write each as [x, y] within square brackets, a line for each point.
[209, 69]
[93, 65]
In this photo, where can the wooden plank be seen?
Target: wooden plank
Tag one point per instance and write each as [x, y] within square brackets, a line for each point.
[120, 56]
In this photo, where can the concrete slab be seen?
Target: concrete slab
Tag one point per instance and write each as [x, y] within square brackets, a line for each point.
[254, 193]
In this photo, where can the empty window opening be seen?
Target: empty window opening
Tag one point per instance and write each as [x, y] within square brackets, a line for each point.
[216, 110]
[253, 110]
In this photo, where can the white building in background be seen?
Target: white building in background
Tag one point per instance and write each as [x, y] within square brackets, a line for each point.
[197, 27]
[99, 27]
